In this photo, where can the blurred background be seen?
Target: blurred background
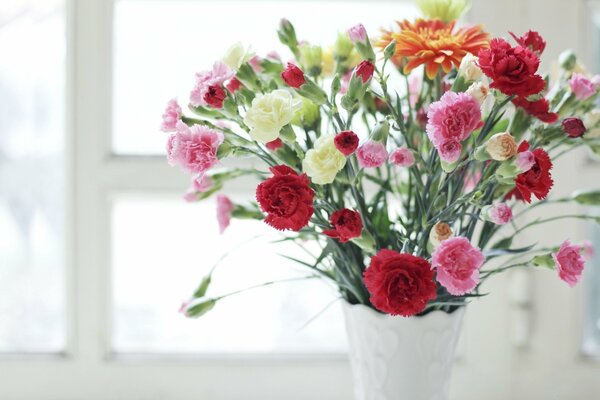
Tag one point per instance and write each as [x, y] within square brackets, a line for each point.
[98, 249]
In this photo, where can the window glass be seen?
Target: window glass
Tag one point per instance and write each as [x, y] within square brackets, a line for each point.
[32, 170]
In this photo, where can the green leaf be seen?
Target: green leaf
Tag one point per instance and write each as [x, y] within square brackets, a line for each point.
[503, 243]
[587, 197]
[495, 252]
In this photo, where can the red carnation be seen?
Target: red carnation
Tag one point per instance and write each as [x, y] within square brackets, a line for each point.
[537, 181]
[346, 142]
[511, 69]
[347, 225]
[293, 76]
[365, 70]
[573, 127]
[287, 199]
[274, 145]
[215, 96]
[399, 283]
[539, 109]
[233, 85]
[531, 40]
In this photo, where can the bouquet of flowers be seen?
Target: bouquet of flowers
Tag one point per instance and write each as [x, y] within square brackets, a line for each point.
[411, 158]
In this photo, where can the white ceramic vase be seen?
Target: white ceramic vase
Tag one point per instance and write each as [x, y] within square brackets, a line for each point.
[396, 358]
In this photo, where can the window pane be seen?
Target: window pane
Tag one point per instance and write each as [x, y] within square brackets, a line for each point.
[162, 247]
[32, 274]
[159, 45]
[591, 342]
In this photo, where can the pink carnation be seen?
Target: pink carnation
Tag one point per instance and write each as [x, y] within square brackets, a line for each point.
[200, 184]
[172, 114]
[457, 262]
[371, 154]
[450, 121]
[358, 34]
[500, 213]
[569, 263]
[255, 63]
[450, 151]
[207, 79]
[525, 161]
[194, 148]
[581, 86]
[224, 209]
[402, 157]
[471, 180]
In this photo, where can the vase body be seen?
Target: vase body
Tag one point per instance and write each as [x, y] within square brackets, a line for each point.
[396, 358]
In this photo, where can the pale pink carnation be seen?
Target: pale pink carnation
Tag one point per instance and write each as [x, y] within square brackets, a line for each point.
[596, 80]
[345, 82]
[402, 157]
[500, 213]
[569, 263]
[172, 114]
[525, 160]
[273, 55]
[255, 63]
[450, 121]
[204, 80]
[371, 154]
[194, 148]
[200, 184]
[587, 249]
[415, 81]
[450, 151]
[581, 86]
[224, 210]
[457, 263]
[471, 180]
[358, 34]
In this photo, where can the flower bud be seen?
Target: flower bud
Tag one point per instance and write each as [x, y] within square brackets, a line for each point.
[358, 34]
[573, 127]
[311, 58]
[342, 47]
[365, 70]
[359, 37]
[567, 60]
[308, 116]
[469, 69]
[480, 91]
[501, 146]
[446, 10]
[293, 76]
[389, 50]
[440, 232]
[199, 309]
[499, 213]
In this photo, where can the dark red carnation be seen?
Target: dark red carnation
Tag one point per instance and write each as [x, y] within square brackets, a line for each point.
[274, 144]
[537, 181]
[347, 225]
[399, 283]
[346, 142]
[287, 199]
[215, 96]
[539, 109]
[365, 70]
[531, 40]
[293, 76]
[573, 127]
[233, 85]
[511, 69]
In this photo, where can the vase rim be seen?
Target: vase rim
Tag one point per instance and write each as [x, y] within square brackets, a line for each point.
[437, 314]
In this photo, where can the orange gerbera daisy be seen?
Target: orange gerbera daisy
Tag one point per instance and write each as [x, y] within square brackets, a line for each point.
[434, 43]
